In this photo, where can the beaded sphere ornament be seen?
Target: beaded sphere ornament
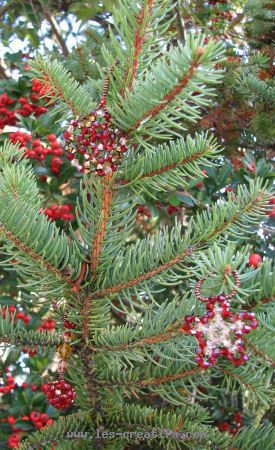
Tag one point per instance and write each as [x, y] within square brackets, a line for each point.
[93, 144]
[60, 393]
[219, 332]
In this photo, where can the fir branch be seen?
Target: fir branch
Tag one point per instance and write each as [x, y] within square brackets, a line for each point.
[61, 86]
[168, 98]
[228, 220]
[256, 438]
[151, 381]
[170, 424]
[57, 432]
[163, 99]
[168, 166]
[106, 200]
[139, 37]
[239, 379]
[259, 352]
[169, 378]
[36, 257]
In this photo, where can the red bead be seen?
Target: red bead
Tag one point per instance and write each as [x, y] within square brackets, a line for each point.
[66, 134]
[189, 319]
[97, 138]
[60, 394]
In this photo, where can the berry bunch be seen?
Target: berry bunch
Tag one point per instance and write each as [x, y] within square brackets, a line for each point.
[7, 117]
[47, 325]
[233, 425]
[14, 440]
[42, 90]
[219, 332]
[27, 108]
[171, 209]
[61, 212]
[35, 149]
[19, 314]
[94, 145]
[9, 386]
[143, 218]
[38, 419]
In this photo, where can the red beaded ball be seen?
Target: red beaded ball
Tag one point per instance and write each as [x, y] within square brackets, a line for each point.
[60, 394]
[94, 145]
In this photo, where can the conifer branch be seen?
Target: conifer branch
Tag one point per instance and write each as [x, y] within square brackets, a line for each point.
[174, 165]
[169, 378]
[139, 37]
[239, 379]
[61, 86]
[57, 432]
[36, 257]
[243, 209]
[259, 352]
[106, 200]
[168, 98]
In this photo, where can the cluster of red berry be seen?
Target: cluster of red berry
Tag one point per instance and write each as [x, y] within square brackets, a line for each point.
[94, 145]
[143, 218]
[19, 314]
[226, 15]
[7, 116]
[172, 209]
[41, 90]
[26, 108]
[47, 325]
[233, 426]
[38, 420]
[35, 149]
[9, 386]
[61, 212]
[214, 2]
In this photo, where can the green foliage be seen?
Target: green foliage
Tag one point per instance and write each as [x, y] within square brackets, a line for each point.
[170, 165]
[255, 438]
[62, 87]
[142, 374]
[78, 422]
[31, 243]
[164, 98]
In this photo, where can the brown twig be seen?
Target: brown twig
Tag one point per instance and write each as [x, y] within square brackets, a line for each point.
[137, 45]
[56, 31]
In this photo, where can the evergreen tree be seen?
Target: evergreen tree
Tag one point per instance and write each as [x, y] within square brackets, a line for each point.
[130, 141]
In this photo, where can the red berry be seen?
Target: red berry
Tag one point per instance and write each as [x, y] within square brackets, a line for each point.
[34, 416]
[254, 260]
[52, 138]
